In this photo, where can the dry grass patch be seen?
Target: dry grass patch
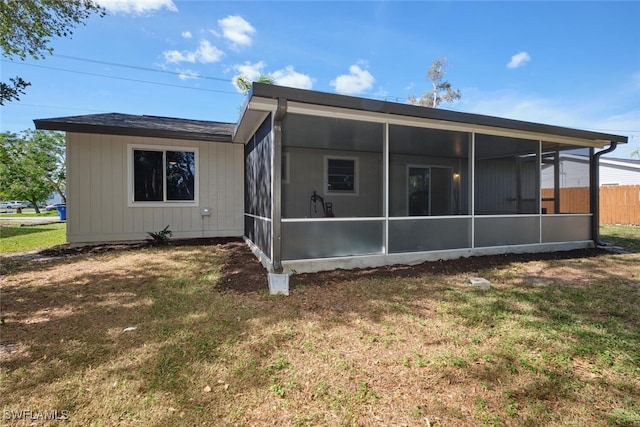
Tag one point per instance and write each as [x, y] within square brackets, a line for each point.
[552, 342]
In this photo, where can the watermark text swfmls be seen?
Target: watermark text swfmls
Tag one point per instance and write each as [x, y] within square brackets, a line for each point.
[31, 415]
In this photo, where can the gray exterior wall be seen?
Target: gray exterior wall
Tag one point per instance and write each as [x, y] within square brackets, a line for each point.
[306, 175]
[97, 191]
[497, 187]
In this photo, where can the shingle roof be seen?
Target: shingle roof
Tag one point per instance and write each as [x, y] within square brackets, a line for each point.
[134, 125]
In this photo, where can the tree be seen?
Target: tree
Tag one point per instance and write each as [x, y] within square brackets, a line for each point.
[244, 83]
[27, 27]
[32, 166]
[441, 91]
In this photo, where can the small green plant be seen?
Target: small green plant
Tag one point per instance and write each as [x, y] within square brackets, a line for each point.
[161, 237]
[278, 389]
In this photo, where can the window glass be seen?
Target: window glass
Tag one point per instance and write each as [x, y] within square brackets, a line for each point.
[341, 175]
[147, 167]
[181, 169]
[160, 176]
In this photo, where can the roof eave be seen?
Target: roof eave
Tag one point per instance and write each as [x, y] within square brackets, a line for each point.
[53, 124]
[371, 105]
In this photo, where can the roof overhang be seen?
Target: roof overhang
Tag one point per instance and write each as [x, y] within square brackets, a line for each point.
[135, 125]
[255, 111]
[263, 99]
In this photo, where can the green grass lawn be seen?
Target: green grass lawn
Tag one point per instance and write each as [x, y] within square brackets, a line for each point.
[14, 238]
[151, 337]
[627, 236]
[27, 213]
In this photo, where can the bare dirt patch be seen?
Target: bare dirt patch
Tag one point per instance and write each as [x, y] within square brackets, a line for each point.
[243, 273]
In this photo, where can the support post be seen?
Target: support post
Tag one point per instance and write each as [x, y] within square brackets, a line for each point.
[276, 189]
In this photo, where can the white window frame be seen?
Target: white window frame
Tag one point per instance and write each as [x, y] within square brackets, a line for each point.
[356, 176]
[166, 203]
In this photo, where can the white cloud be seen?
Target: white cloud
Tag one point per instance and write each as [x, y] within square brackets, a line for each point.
[518, 60]
[291, 78]
[186, 34]
[556, 111]
[206, 53]
[137, 7]
[287, 76]
[175, 56]
[187, 74]
[356, 82]
[249, 71]
[237, 30]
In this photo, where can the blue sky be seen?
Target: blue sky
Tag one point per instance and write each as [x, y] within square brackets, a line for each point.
[574, 64]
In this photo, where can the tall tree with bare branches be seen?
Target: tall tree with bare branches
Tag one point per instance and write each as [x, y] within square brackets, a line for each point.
[441, 89]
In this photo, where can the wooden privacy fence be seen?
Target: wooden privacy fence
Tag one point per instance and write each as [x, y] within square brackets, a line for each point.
[619, 204]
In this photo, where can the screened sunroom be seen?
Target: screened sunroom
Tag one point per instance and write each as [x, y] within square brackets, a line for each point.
[342, 182]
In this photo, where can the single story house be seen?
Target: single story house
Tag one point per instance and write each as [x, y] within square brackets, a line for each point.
[612, 172]
[619, 172]
[317, 181]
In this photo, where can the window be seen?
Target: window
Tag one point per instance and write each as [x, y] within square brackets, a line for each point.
[341, 175]
[163, 175]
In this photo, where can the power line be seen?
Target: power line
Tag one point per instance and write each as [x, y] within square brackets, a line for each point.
[136, 67]
[122, 78]
[54, 107]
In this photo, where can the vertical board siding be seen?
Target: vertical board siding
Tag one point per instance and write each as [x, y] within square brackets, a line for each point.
[494, 193]
[97, 183]
[106, 187]
[118, 186]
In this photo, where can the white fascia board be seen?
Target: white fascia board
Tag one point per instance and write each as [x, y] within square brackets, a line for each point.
[252, 117]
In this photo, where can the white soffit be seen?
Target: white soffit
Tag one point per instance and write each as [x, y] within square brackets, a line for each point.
[254, 114]
[370, 116]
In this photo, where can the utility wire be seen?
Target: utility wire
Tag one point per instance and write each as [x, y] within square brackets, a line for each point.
[122, 78]
[54, 107]
[136, 67]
